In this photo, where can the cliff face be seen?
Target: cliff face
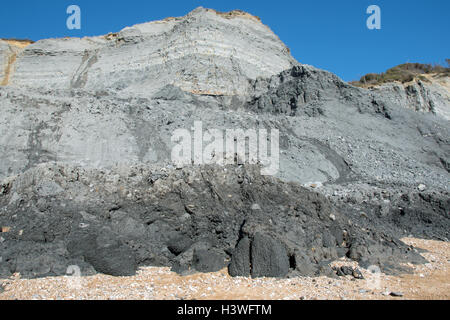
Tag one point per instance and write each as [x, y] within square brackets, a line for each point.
[9, 50]
[204, 52]
[117, 99]
[431, 94]
[86, 130]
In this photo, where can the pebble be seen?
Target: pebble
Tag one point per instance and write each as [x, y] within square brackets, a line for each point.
[422, 187]
[256, 207]
[396, 294]
[6, 229]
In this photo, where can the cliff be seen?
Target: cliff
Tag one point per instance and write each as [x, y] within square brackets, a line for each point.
[205, 52]
[86, 166]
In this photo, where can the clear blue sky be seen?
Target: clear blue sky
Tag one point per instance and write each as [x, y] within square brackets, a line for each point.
[328, 34]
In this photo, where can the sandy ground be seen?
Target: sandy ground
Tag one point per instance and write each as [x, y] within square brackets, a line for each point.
[429, 281]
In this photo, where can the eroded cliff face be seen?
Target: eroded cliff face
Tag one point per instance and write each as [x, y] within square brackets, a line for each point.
[429, 94]
[86, 132]
[204, 52]
[9, 50]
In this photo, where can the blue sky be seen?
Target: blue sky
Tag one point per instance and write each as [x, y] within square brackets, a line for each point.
[328, 34]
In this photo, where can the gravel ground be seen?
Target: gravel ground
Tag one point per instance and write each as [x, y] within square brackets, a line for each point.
[429, 281]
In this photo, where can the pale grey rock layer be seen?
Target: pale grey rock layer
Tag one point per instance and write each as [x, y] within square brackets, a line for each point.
[432, 96]
[117, 99]
[329, 130]
[202, 52]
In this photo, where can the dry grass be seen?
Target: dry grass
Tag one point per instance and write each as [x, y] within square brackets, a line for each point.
[404, 73]
[235, 14]
[19, 43]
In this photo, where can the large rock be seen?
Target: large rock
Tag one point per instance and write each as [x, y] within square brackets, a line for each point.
[115, 261]
[208, 260]
[262, 256]
[240, 262]
[105, 252]
[269, 257]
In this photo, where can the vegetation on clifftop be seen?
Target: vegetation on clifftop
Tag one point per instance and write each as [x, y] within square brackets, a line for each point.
[403, 73]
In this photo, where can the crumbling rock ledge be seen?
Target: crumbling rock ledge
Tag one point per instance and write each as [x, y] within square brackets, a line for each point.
[198, 219]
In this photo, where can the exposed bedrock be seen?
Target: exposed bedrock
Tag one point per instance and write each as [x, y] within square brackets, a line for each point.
[88, 178]
[333, 134]
[194, 220]
[203, 52]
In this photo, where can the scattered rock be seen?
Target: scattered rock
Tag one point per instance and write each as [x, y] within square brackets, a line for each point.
[179, 244]
[349, 271]
[48, 188]
[422, 187]
[396, 294]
